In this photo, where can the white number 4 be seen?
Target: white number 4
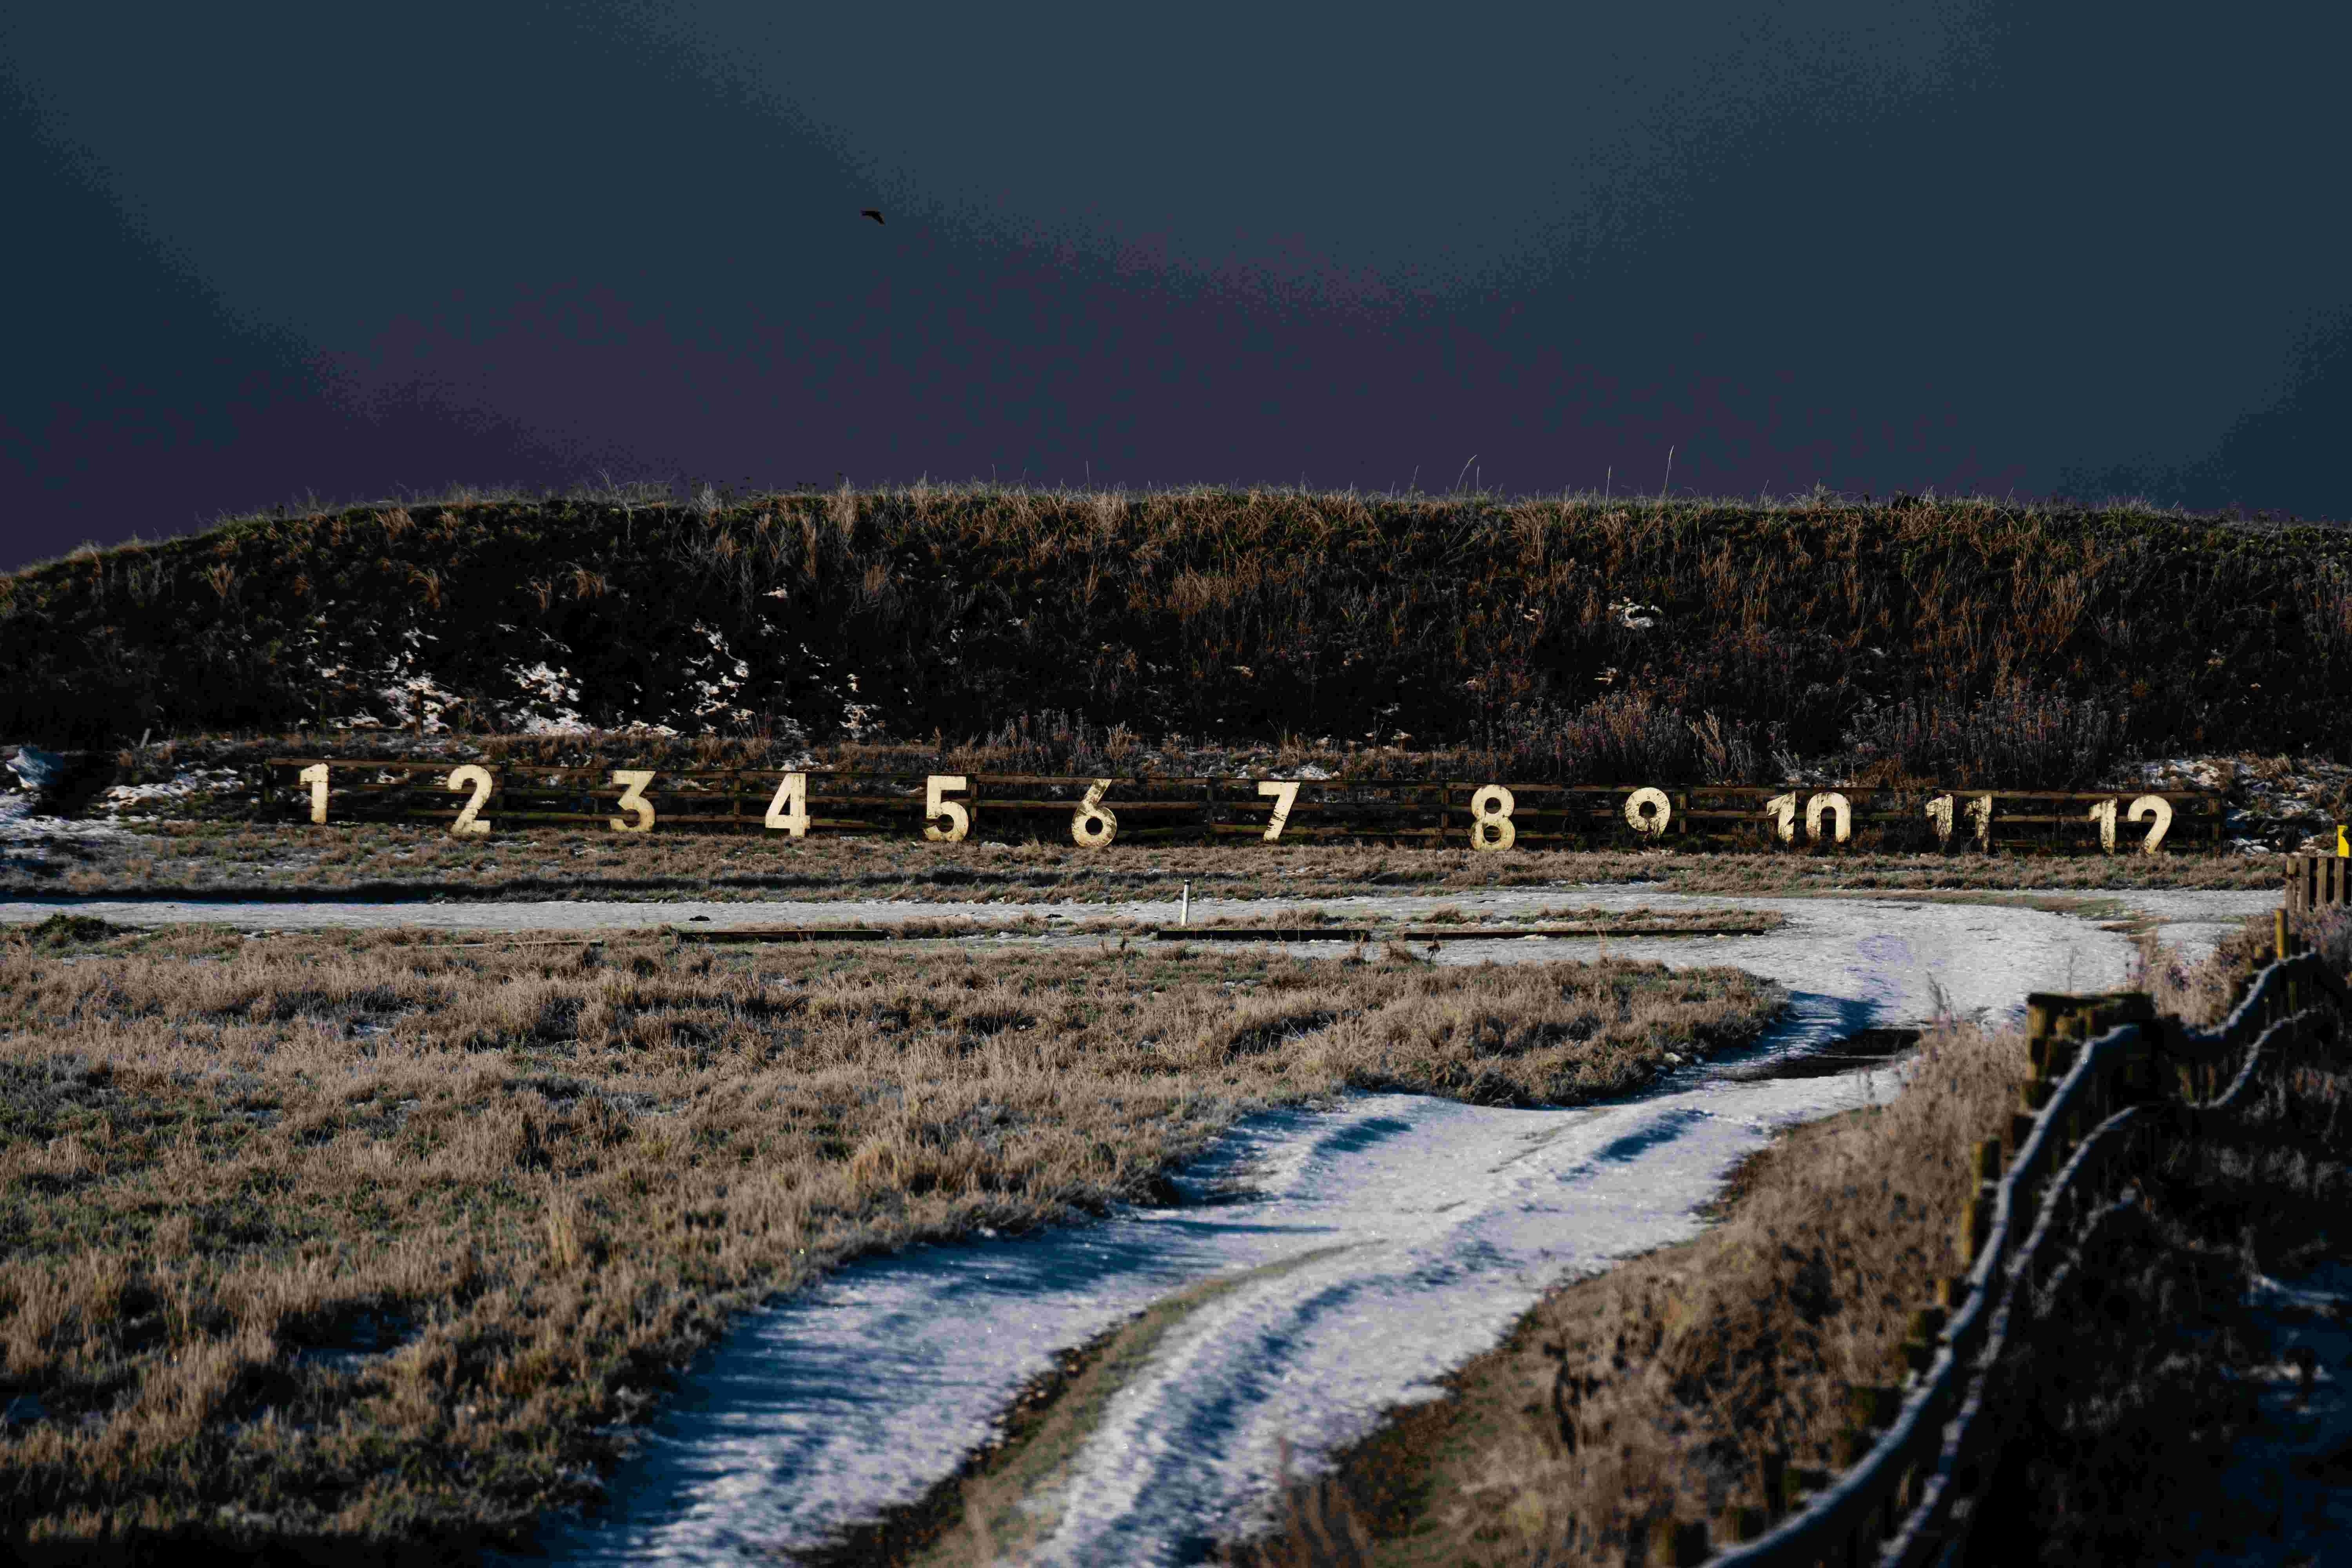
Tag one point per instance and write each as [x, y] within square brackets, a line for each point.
[789, 810]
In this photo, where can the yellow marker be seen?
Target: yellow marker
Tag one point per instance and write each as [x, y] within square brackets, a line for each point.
[2343, 843]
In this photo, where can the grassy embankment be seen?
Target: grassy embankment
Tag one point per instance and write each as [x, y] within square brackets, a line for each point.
[1969, 640]
[1659, 1387]
[358, 1242]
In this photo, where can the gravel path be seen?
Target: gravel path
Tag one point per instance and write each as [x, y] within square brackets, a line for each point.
[1383, 1242]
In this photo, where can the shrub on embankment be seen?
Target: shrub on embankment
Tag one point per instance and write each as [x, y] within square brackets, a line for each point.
[1963, 638]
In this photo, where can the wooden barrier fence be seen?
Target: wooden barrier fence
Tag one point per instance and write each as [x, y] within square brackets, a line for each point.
[948, 807]
[2314, 881]
[2107, 1073]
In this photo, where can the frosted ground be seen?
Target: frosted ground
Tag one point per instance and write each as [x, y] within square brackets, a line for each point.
[1381, 1243]
[1372, 1246]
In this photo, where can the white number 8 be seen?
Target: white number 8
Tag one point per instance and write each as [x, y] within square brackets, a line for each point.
[1491, 807]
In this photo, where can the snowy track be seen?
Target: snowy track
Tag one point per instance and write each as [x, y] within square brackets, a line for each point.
[1378, 1244]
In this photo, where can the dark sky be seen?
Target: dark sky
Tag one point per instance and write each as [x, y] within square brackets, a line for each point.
[273, 250]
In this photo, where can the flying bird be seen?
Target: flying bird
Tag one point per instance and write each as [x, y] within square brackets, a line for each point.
[870, 212]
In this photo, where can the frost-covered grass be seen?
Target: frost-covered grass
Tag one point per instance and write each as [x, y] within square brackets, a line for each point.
[342, 860]
[353, 1238]
[1660, 1387]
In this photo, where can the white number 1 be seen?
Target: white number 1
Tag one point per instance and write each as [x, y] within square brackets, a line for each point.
[315, 775]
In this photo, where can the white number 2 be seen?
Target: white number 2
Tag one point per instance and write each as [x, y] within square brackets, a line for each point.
[477, 778]
[1284, 791]
[789, 810]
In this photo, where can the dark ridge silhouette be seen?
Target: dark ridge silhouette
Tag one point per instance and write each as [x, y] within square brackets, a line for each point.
[873, 212]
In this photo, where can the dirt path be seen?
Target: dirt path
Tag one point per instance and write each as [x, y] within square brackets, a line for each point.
[1356, 1255]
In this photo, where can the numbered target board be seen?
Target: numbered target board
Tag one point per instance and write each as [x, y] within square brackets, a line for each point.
[1490, 818]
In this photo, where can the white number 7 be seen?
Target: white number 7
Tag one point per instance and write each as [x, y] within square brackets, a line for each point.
[1284, 791]
[789, 810]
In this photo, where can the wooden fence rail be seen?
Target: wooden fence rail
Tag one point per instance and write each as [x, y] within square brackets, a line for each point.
[2314, 881]
[2107, 1071]
[1486, 815]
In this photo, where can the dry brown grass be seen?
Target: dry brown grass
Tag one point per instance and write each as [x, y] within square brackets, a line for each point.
[2008, 642]
[1660, 1387]
[365, 1238]
[390, 860]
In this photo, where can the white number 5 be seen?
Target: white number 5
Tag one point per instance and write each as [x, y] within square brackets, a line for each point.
[958, 819]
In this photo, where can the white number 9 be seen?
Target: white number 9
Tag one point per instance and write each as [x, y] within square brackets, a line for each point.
[1650, 822]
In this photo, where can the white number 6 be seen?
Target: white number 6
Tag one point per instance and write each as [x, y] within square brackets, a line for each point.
[1094, 825]
[632, 801]
[958, 819]
[1284, 791]
[476, 778]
